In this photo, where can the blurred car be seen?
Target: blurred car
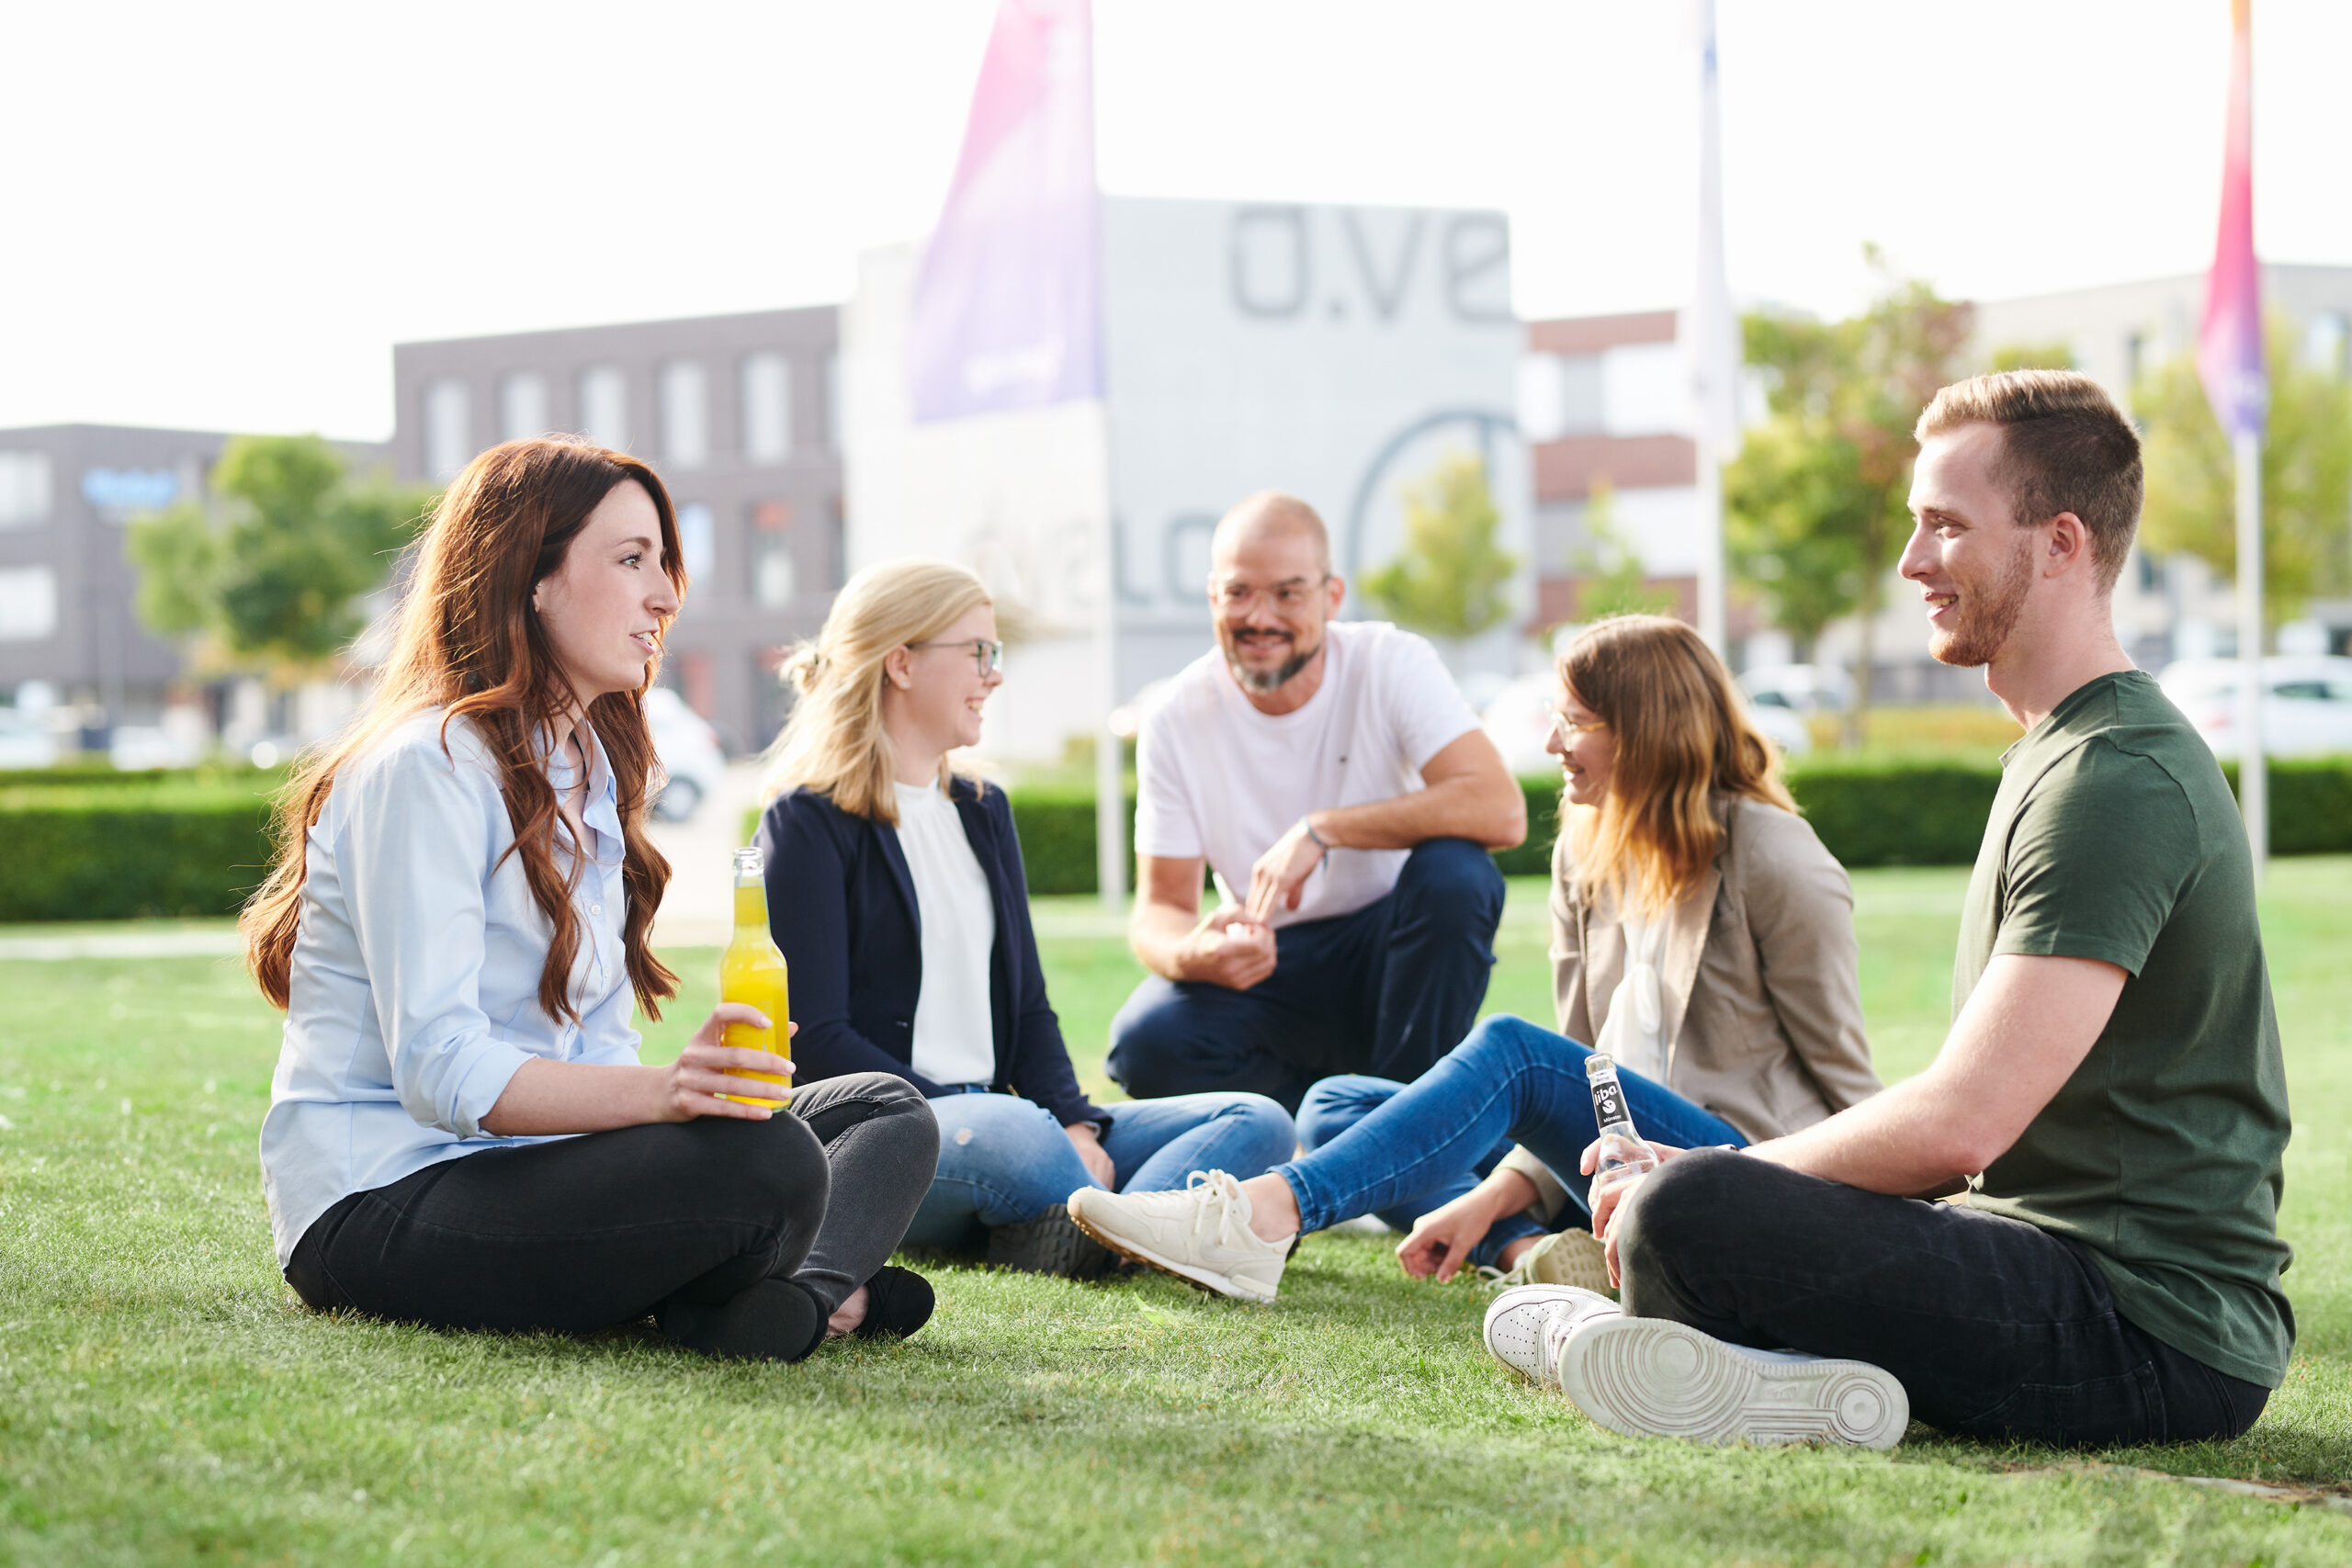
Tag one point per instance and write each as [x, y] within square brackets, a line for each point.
[24, 741]
[688, 747]
[2306, 703]
[134, 747]
[1518, 721]
[1799, 688]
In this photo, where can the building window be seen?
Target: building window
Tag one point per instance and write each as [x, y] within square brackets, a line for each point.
[603, 407]
[448, 435]
[2324, 342]
[28, 603]
[696, 539]
[767, 408]
[523, 406]
[774, 582]
[685, 414]
[24, 489]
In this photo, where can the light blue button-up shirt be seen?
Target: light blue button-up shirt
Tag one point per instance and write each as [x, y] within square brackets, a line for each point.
[415, 985]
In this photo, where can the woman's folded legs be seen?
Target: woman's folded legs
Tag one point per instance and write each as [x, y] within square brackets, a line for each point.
[1508, 1082]
[1336, 1105]
[678, 1219]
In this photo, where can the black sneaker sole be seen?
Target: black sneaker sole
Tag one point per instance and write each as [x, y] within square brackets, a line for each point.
[1050, 1244]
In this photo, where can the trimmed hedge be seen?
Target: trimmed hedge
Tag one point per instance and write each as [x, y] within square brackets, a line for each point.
[185, 845]
[1868, 813]
[79, 856]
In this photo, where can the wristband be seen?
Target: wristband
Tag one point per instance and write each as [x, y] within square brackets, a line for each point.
[1308, 824]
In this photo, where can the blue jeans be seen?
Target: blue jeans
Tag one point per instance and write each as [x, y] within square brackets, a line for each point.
[1387, 990]
[1508, 1083]
[1005, 1160]
[1337, 1104]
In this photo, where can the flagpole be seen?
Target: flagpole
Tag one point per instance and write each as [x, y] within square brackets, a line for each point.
[2253, 770]
[1109, 753]
[1712, 337]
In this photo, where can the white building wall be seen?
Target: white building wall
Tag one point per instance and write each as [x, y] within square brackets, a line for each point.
[1337, 353]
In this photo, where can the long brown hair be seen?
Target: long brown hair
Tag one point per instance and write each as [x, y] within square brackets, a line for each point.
[467, 644]
[1683, 741]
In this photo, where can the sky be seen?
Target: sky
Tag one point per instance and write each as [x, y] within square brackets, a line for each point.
[222, 216]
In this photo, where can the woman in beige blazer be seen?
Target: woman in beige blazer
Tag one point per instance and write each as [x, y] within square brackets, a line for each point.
[1701, 936]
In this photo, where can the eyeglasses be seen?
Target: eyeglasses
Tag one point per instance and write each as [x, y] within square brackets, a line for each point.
[989, 655]
[1567, 729]
[1234, 598]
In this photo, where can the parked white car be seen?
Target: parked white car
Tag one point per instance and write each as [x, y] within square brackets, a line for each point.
[136, 747]
[1518, 721]
[688, 747]
[2306, 703]
[25, 739]
[1799, 688]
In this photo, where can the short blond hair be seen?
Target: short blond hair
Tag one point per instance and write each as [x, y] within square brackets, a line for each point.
[2064, 447]
[834, 743]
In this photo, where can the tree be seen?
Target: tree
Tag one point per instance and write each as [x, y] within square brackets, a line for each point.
[1451, 579]
[271, 579]
[2306, 475]
[2034, 356]
[1817, 504]
[1615, 583]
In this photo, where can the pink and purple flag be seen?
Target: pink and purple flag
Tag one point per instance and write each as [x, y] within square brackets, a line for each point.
[2228, 342]
[1008, 305]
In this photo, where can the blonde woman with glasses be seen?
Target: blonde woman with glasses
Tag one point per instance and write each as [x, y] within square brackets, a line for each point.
[1701, 936]
[896, 892]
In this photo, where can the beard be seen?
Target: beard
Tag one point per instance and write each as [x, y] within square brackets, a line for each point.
[1265, 681]
[1987, 616]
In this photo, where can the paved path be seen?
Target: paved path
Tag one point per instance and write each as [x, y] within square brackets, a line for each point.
[201, 942]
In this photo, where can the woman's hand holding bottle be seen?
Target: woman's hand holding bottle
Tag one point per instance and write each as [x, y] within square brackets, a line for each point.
[706, 1072]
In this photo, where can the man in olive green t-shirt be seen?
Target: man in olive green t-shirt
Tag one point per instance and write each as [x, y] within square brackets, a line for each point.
[2111, 1096]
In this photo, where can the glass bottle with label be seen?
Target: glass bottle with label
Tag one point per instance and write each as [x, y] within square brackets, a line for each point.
[1623, 1155]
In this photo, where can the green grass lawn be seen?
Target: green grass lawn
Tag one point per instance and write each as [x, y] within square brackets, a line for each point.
[162, 1399]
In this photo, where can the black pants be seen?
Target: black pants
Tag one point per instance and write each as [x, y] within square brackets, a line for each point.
[588, 1232]
[1387, 990]
[1994, 1327]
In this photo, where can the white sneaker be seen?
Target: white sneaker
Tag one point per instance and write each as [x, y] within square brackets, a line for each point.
[1650, 1378]
[1521, 1320]
[1201, 1234]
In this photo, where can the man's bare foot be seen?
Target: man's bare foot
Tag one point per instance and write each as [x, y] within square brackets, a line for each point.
[847, 1318]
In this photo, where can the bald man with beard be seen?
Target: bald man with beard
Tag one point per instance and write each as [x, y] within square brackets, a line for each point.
[1332, 779]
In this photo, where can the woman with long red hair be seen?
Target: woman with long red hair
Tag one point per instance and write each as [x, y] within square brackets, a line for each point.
[458, 924]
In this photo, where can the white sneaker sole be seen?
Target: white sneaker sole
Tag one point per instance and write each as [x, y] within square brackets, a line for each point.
[1649, 1377]
[1206, 1278]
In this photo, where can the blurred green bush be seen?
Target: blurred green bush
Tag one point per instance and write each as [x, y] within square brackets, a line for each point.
[94, 847]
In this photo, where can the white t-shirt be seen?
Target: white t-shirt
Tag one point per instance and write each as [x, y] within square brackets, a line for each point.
[955, 1028]
[1220, 779]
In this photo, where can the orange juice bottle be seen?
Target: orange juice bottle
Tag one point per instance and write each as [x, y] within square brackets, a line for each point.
[753, 971]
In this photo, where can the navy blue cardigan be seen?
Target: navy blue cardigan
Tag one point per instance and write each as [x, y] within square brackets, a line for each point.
[841, 904]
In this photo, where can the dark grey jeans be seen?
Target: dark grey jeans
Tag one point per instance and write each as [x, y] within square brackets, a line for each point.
[1993, 1327]
[588, 1232]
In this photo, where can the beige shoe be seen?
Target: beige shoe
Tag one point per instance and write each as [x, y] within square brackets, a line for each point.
[1568, 1258]
[1200, 1234]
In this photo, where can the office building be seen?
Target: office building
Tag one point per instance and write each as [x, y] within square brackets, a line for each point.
[735, 413]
